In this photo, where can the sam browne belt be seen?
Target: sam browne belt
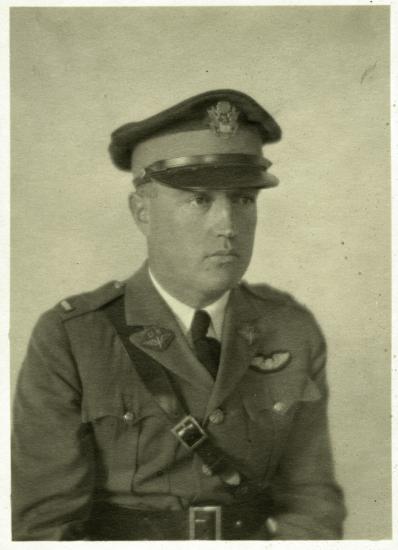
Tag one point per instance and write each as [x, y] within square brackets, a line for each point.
[203, 521]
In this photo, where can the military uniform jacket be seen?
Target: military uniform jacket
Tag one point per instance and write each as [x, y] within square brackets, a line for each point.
[86, 429]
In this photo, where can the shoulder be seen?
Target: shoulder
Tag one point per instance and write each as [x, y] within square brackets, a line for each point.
[81, 304]
[51, 322]
[264, 294]
[56, 337]
[285, 310]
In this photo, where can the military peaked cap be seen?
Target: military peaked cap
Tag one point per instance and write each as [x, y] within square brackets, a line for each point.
[214, 139]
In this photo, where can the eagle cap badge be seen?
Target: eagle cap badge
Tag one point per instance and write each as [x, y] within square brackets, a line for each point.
[223, 119]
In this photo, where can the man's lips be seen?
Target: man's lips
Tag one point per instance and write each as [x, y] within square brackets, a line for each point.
[224, 253]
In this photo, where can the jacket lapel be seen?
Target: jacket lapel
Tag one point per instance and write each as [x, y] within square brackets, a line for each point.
[243, 334]
[155, 330]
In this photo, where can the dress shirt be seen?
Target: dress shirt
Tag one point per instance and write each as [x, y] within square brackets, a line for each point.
[184, 313]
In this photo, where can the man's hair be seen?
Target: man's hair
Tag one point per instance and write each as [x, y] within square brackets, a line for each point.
[147, 189]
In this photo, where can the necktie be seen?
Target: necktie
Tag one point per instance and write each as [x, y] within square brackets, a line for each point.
[207, 349]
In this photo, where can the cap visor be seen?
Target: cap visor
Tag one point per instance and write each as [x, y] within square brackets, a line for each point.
[217, 177]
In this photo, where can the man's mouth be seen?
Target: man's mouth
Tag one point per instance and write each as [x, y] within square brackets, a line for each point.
[224, 253]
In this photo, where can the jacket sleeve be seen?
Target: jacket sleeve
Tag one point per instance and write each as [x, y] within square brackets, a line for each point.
[52, 451]
[309, 501]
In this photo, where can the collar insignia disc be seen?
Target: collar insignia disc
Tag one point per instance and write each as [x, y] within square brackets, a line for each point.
[249, 333]
[157, 338]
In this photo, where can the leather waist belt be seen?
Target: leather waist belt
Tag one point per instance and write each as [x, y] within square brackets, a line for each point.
[199, 522]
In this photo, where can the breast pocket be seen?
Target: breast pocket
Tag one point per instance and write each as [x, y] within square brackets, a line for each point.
[280, 395]
[271, 403]
[117, 425]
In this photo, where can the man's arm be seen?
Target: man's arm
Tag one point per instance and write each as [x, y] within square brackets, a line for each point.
[309, 501]
[52, 451]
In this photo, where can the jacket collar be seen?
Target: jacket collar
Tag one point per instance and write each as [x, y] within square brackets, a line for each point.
[240, 342]
[243, 333]
[145, 310]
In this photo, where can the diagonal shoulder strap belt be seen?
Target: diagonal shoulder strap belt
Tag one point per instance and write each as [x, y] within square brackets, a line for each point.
[187, 430]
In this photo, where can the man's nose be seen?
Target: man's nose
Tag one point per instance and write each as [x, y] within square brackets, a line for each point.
[224, 218]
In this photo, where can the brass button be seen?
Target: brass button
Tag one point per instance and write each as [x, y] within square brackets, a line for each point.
[206, 470]
[238, 523]
[231, 478]
[217, 416]
[280, 407]
[128, 416]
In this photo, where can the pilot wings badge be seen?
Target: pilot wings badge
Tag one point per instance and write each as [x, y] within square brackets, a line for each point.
[271, 363]
[223, 119]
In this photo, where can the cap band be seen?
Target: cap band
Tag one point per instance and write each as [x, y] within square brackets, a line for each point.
[195, 143]
[198, 161]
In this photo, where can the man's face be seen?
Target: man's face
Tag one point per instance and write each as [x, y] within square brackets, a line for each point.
[200, 241]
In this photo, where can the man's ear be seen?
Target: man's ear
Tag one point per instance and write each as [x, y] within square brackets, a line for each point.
[139, 208]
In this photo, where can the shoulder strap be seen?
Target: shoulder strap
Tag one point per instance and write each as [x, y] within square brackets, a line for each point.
[152, 374]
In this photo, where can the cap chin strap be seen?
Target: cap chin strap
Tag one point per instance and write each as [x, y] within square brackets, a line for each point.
[196, 162]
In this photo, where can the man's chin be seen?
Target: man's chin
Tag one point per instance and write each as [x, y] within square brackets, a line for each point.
[221, 279]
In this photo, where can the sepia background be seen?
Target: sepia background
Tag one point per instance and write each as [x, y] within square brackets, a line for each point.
[323, 234]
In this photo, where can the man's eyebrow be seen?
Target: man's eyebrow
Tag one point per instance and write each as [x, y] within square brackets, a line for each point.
[196, 191]
[244, 191]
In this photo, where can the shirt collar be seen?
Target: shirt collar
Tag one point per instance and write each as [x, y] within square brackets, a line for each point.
[185, 313]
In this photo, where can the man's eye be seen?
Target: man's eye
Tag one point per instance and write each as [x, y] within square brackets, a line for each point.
[200, 200]
[245, 200]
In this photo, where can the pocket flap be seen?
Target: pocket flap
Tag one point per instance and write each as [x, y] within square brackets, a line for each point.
[123, 406]
[100, 410]
[280, 396]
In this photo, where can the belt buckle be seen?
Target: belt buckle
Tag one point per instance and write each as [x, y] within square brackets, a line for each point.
[189, 432]
[205, 523]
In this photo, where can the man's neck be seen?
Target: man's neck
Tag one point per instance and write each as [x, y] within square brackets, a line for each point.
[195, 300]
[185, 313]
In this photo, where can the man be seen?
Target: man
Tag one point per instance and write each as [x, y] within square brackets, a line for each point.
[182, 403]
